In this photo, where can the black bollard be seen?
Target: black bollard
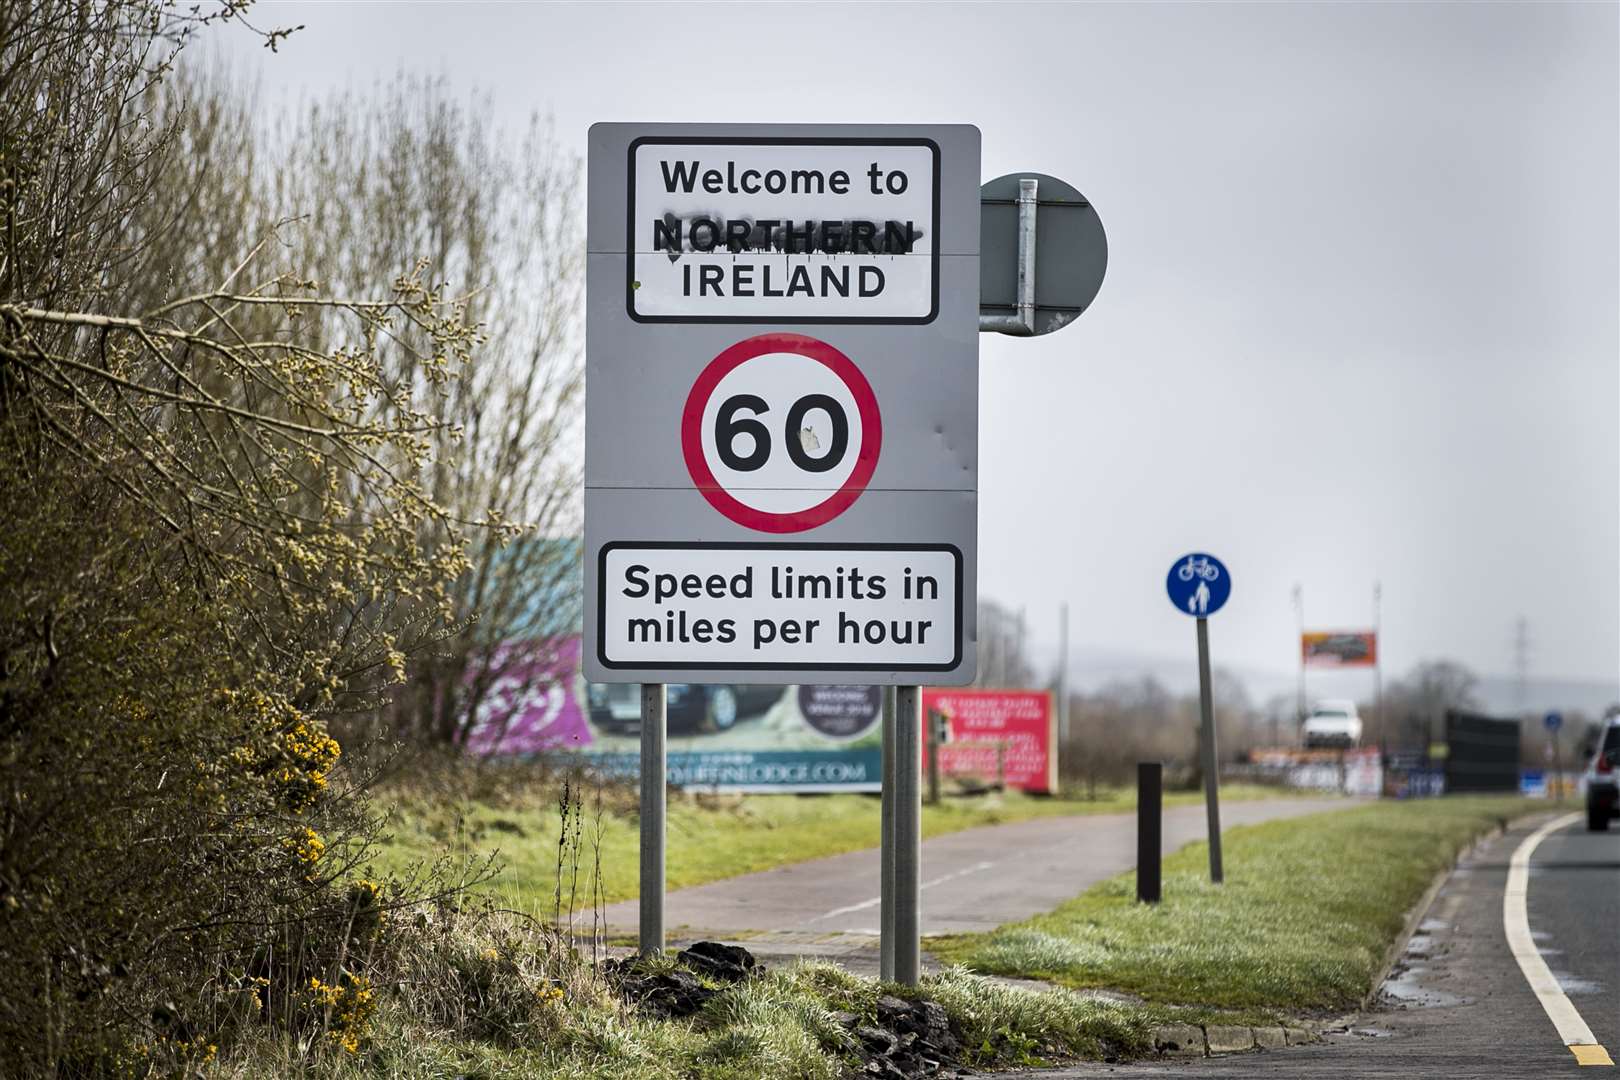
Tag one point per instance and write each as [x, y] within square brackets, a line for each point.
[1149, 828]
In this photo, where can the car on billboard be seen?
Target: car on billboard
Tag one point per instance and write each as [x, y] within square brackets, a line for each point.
[690, 707]
[1602, 778]
[1332, 724]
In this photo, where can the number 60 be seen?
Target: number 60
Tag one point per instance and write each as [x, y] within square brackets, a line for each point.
[728, 425]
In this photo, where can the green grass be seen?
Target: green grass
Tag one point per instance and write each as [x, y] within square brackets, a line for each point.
[1308, 912]
[709, 837]
[483, 1013]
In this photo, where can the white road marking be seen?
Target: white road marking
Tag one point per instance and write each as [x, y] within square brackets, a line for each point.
[1516, 922]
[876, 900]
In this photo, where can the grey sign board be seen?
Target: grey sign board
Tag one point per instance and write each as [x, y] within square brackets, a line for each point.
[781, 442]
[1071, 255]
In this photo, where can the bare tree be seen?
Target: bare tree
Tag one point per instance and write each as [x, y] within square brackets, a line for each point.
[1415, 705]
[497, 219]
[1003, 656]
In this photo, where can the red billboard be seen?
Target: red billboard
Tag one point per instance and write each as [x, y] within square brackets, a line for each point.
[1016, 726]
[1339, 648]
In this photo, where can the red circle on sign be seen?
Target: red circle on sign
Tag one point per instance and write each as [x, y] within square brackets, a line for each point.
[866, 455]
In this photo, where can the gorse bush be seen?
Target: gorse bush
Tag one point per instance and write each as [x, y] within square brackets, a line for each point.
[217, 542]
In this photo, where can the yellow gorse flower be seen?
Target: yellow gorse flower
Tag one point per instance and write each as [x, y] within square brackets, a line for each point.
[306, 845]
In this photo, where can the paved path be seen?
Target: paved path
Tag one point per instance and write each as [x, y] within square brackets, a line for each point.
[1459, 1006]
[976, 879]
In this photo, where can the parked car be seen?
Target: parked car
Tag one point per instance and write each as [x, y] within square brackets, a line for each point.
[1332, 724]
[1602, 778]
[690, 707]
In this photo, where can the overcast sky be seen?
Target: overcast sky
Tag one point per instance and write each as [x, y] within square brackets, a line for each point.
[1362, 313]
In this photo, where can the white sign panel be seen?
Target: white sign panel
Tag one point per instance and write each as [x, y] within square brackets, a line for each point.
[799, 230]
[876, 607]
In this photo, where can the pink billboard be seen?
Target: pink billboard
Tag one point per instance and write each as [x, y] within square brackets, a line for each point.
[1016, 725]
[533, 704]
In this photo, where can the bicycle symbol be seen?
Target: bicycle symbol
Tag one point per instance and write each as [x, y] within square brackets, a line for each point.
[1197, 567]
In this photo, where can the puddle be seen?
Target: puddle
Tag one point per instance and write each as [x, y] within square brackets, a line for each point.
[1371, 1032]
[1405, 989]
[1574, 985]
[1429, 926]
[1420, 945]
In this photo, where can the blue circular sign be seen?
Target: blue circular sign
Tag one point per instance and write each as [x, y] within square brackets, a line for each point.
[1198, 585]
[1554, 721]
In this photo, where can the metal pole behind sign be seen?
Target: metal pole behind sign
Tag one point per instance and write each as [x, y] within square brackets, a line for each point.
[906, 853]
[1212, 798]
[886, 849]
[653, 773]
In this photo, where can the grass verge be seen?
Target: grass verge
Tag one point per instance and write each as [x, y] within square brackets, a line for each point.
[497, 998]
[709, 837]
[1308, 911]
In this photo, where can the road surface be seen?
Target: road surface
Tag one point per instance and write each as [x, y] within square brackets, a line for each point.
[1459, 1004]
[976, 879]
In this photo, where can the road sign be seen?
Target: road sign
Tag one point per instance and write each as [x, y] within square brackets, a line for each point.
[798, 474]
[1070, 251]
[782, 418]
[1198, 585]
[1553, 721]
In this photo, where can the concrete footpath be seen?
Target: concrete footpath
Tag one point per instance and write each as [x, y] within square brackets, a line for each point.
[972, 880]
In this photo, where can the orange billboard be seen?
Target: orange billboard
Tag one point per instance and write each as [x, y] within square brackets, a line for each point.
[1339, 648]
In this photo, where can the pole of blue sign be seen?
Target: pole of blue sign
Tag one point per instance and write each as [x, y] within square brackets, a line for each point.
[907, 850]
[886, 841]
[1212, 797]
[653, 772]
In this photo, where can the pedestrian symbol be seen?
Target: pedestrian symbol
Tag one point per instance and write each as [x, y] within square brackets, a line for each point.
[1198, 585]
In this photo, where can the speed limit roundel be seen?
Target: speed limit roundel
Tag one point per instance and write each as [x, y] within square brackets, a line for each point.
[781, 432]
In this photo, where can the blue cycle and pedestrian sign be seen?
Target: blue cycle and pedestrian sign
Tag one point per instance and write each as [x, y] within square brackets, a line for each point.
[1198, 585]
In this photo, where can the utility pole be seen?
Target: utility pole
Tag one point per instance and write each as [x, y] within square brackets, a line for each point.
[1019, 654]
[1378, 683]
[1063, 678]
[1378, 654]
[1521, 664]
[1299, 647]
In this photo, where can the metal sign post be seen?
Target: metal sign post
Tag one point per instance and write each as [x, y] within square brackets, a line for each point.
[1211, 758]
[653, 731]
[907, 849]
[1199, 585]
[886, 893]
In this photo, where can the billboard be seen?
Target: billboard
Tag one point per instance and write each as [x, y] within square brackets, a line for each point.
[721, 736]
[737, 737]
[1339, 648]
[1015, 725]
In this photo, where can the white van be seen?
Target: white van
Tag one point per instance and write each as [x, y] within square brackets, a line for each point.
[1332, 724]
